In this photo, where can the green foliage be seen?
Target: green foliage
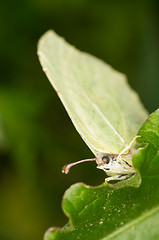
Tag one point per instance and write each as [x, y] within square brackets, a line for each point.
[125, 213]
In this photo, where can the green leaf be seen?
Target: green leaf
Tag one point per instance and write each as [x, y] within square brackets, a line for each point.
[150, 134]
[104, 109]
[103, 213]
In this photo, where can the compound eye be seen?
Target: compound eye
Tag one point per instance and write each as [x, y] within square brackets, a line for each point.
[106, 159]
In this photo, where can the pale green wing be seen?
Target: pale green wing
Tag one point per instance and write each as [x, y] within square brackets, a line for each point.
[104, 109]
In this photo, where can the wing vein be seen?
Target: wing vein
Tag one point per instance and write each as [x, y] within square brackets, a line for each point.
[105, 119]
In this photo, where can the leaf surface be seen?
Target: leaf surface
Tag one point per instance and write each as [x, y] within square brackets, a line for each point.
[104, 109]
[103, 213]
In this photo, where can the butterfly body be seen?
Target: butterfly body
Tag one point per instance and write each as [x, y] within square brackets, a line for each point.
[116, 167]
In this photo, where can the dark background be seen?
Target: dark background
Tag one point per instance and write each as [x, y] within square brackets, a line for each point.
[36, 136]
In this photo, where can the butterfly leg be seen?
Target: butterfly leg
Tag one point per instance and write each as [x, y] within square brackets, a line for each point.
[128, 146]
[120, 177]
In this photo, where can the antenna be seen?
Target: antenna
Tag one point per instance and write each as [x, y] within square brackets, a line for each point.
[67, 167]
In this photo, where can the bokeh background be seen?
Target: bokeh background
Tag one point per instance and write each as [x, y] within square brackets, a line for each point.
[36, 136]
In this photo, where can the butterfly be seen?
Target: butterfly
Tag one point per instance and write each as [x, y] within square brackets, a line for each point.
[106, 112]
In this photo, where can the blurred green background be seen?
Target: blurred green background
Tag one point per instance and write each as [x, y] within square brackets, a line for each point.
[36, 136]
